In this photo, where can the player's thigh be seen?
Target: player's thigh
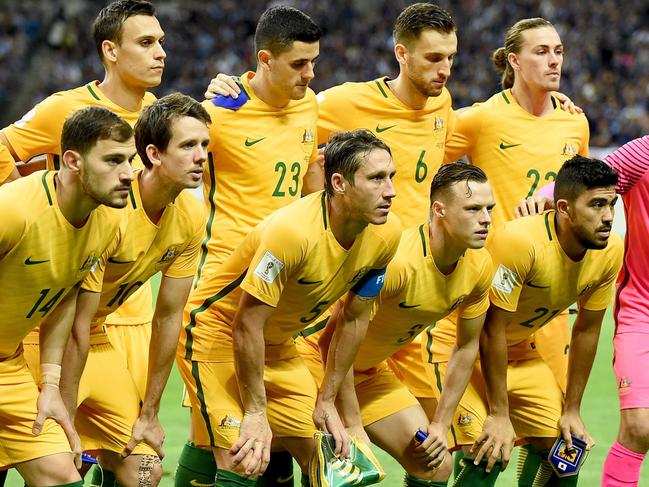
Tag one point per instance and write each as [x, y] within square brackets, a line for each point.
[470, 415]
[133, 342]
[134, 470]
[17, 415]
[410, 368]
[216, 409]
[56, 469]
[310, 353]
[291, 394]
[110, 405]
[535, 399]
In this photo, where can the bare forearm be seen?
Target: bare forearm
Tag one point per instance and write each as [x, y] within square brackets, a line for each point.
[583, 346]
[458, 373]
[493, 359]
[345, 341]
[74, 361]
[249, 354]
[162, 347]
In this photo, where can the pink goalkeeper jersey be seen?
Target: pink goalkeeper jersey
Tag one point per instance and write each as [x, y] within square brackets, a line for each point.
[631, 161]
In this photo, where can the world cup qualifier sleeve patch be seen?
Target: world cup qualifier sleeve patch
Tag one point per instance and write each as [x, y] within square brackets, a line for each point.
[268, 268]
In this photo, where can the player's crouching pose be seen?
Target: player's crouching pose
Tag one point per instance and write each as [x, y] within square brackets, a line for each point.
[246, 381]
[52, 234]
[543, 264]
[162, 232]
[440, 266]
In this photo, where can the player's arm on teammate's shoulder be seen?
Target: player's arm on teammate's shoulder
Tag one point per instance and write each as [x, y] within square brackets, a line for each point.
[583, 345]
[249, 355]
[223, 84]
[348, 327]
[567, 103]
[54, 332]
[165, 330]
[498, 429]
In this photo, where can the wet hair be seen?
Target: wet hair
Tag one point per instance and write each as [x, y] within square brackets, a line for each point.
[455, 172]
[580, 174]
[85, 127]
[418, 17]
[154, 124]
[279, 27]
[346, 152]
[514, 43]
[110, 20]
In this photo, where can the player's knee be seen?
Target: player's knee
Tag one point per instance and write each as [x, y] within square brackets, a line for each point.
[423, 472]
[635, 435]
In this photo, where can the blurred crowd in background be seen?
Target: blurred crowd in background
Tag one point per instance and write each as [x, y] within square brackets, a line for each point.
[47, 47]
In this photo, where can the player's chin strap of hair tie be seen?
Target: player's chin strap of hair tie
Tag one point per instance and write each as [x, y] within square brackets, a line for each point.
[50, 375]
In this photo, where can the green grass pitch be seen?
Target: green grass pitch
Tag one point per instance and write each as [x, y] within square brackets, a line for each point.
[599, 409]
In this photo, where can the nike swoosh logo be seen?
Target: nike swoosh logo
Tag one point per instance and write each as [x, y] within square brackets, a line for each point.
[115, 261]
[284, 480]
[250, 143]
[403, 304]
[196, 483]
[29, 261]
[383, 129]
[301, 280]
[504, 146]
[530, 284]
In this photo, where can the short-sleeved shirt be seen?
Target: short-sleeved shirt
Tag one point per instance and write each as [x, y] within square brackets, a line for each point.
[535, 280]
[42, 255]
[7, 163]
[144, 248]
[257, 157]
[38, 132]
[292, 262]
[416, 138]
[518, 151]
[416, 294]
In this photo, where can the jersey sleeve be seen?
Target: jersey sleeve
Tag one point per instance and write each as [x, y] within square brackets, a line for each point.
[513, 258]
[14, 224]
[477, 302]
[37, 132]
[467, 123]
[281, 250]
[7, 163]
[601, 295]
[631, 161]
[330, 102]
[186, 263]
[585, 137]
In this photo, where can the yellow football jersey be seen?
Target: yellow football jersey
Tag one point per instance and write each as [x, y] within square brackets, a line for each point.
[143, 248]
[258, 155]
[416, 294]
[416, 138]
[536, 280]
[42, 256]
[39, 132]
[519, 152]
[7, 163]
[292, 262]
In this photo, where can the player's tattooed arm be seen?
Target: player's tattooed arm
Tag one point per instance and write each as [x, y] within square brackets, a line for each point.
[249, 355]
[223, 84]
[583, 345]
[349, 330]
[498, 432]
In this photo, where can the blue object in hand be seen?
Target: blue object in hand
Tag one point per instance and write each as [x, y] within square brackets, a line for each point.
[421, 436]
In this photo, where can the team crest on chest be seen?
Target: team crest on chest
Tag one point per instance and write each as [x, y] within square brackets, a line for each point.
[439, 124]
[458, 302]
[308, 138]
[167, 257]
[569, 150]
[90, 264]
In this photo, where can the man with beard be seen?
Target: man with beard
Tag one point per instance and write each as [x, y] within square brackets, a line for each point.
[543, 265]
[54, 230]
